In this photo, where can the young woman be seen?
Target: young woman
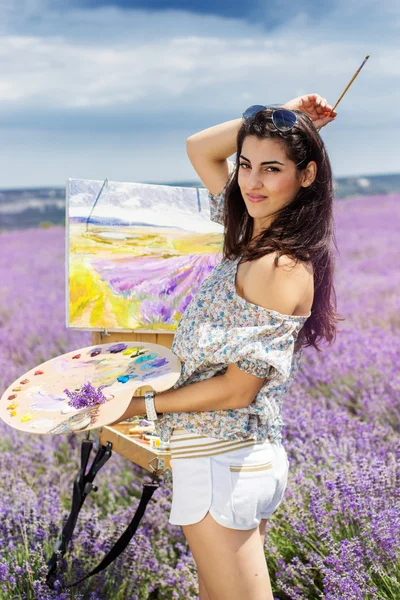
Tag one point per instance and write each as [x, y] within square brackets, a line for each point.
[240, 339]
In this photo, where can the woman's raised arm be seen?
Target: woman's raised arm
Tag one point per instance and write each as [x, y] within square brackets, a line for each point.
[209, 149]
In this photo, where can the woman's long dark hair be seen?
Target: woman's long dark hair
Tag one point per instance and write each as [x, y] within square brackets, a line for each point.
[302, 230]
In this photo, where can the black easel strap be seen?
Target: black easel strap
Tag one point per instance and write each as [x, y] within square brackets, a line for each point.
[83, 485]
[123, 541]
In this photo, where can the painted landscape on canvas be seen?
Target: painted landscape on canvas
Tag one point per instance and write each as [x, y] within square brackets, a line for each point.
[136, 254]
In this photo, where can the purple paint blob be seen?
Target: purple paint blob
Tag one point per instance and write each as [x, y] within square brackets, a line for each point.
[95, 351]
[117, 348]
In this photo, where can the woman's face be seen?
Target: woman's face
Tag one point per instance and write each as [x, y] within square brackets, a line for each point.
[268, 187]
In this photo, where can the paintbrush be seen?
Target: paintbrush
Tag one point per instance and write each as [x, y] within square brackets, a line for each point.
[349, 84]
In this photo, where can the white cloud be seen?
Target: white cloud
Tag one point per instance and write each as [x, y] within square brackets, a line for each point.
[55, 72]
[75, 66]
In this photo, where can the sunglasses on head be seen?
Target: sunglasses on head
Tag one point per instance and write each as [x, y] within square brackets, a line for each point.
[282, 118]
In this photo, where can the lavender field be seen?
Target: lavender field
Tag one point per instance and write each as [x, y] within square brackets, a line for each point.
[335, 536]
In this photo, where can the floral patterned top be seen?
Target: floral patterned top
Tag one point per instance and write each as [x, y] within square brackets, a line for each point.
[220, 327]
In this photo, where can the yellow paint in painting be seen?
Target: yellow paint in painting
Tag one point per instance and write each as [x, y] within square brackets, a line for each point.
[12, 406]
[125, 311]
[200, 243]
[92, 301]
[13, 413]
[82, 287]
[97, 312]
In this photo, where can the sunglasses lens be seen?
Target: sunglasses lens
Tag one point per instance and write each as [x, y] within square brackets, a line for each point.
[284, 119]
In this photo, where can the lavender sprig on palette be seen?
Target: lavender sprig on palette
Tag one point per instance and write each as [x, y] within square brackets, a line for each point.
[86, 396]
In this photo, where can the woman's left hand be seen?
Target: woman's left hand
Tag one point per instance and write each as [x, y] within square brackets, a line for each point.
[314, 106]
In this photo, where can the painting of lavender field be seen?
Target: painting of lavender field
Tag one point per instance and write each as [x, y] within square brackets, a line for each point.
[336, 533]
[136, 254]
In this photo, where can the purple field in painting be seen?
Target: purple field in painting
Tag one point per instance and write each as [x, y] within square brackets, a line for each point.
[164, 286]
[335, 535]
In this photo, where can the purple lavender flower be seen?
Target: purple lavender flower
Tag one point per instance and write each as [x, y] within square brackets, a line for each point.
[86, 396]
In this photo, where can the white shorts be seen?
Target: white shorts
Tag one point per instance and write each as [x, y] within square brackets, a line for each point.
[239, 484]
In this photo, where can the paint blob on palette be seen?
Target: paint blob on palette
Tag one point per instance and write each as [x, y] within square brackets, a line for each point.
[37, 402]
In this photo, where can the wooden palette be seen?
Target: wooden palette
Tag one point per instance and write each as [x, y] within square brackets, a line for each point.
[36, 401]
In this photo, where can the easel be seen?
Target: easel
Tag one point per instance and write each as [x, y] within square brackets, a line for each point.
[114, 438]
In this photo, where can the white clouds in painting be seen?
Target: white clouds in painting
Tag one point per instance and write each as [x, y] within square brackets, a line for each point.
[131, 203]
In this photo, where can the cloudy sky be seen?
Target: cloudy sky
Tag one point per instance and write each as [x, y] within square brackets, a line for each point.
[112, 88]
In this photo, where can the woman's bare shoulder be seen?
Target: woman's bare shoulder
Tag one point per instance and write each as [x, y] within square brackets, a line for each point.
[288, 263]
[287, 286]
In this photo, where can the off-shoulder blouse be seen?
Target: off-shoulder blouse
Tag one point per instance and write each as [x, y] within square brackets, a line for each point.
[220, 327]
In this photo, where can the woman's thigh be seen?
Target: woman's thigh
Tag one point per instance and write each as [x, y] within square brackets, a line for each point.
[231, 562]
[203, 593]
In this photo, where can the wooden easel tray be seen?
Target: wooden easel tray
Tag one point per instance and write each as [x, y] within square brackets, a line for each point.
[134, 449]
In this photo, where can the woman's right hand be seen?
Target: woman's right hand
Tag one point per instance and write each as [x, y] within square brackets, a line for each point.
[314, 106]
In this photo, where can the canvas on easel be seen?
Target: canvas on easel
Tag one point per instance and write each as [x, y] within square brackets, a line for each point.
[136, 254]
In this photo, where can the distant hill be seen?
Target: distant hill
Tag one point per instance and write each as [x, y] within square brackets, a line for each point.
[345, 187]
[373, 185]
[22, 208]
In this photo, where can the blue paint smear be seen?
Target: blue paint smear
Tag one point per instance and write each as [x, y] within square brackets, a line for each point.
[154, 364]
[126, 378]
[156, 374]
[159, 362]
[145, 358]
[148, 375]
